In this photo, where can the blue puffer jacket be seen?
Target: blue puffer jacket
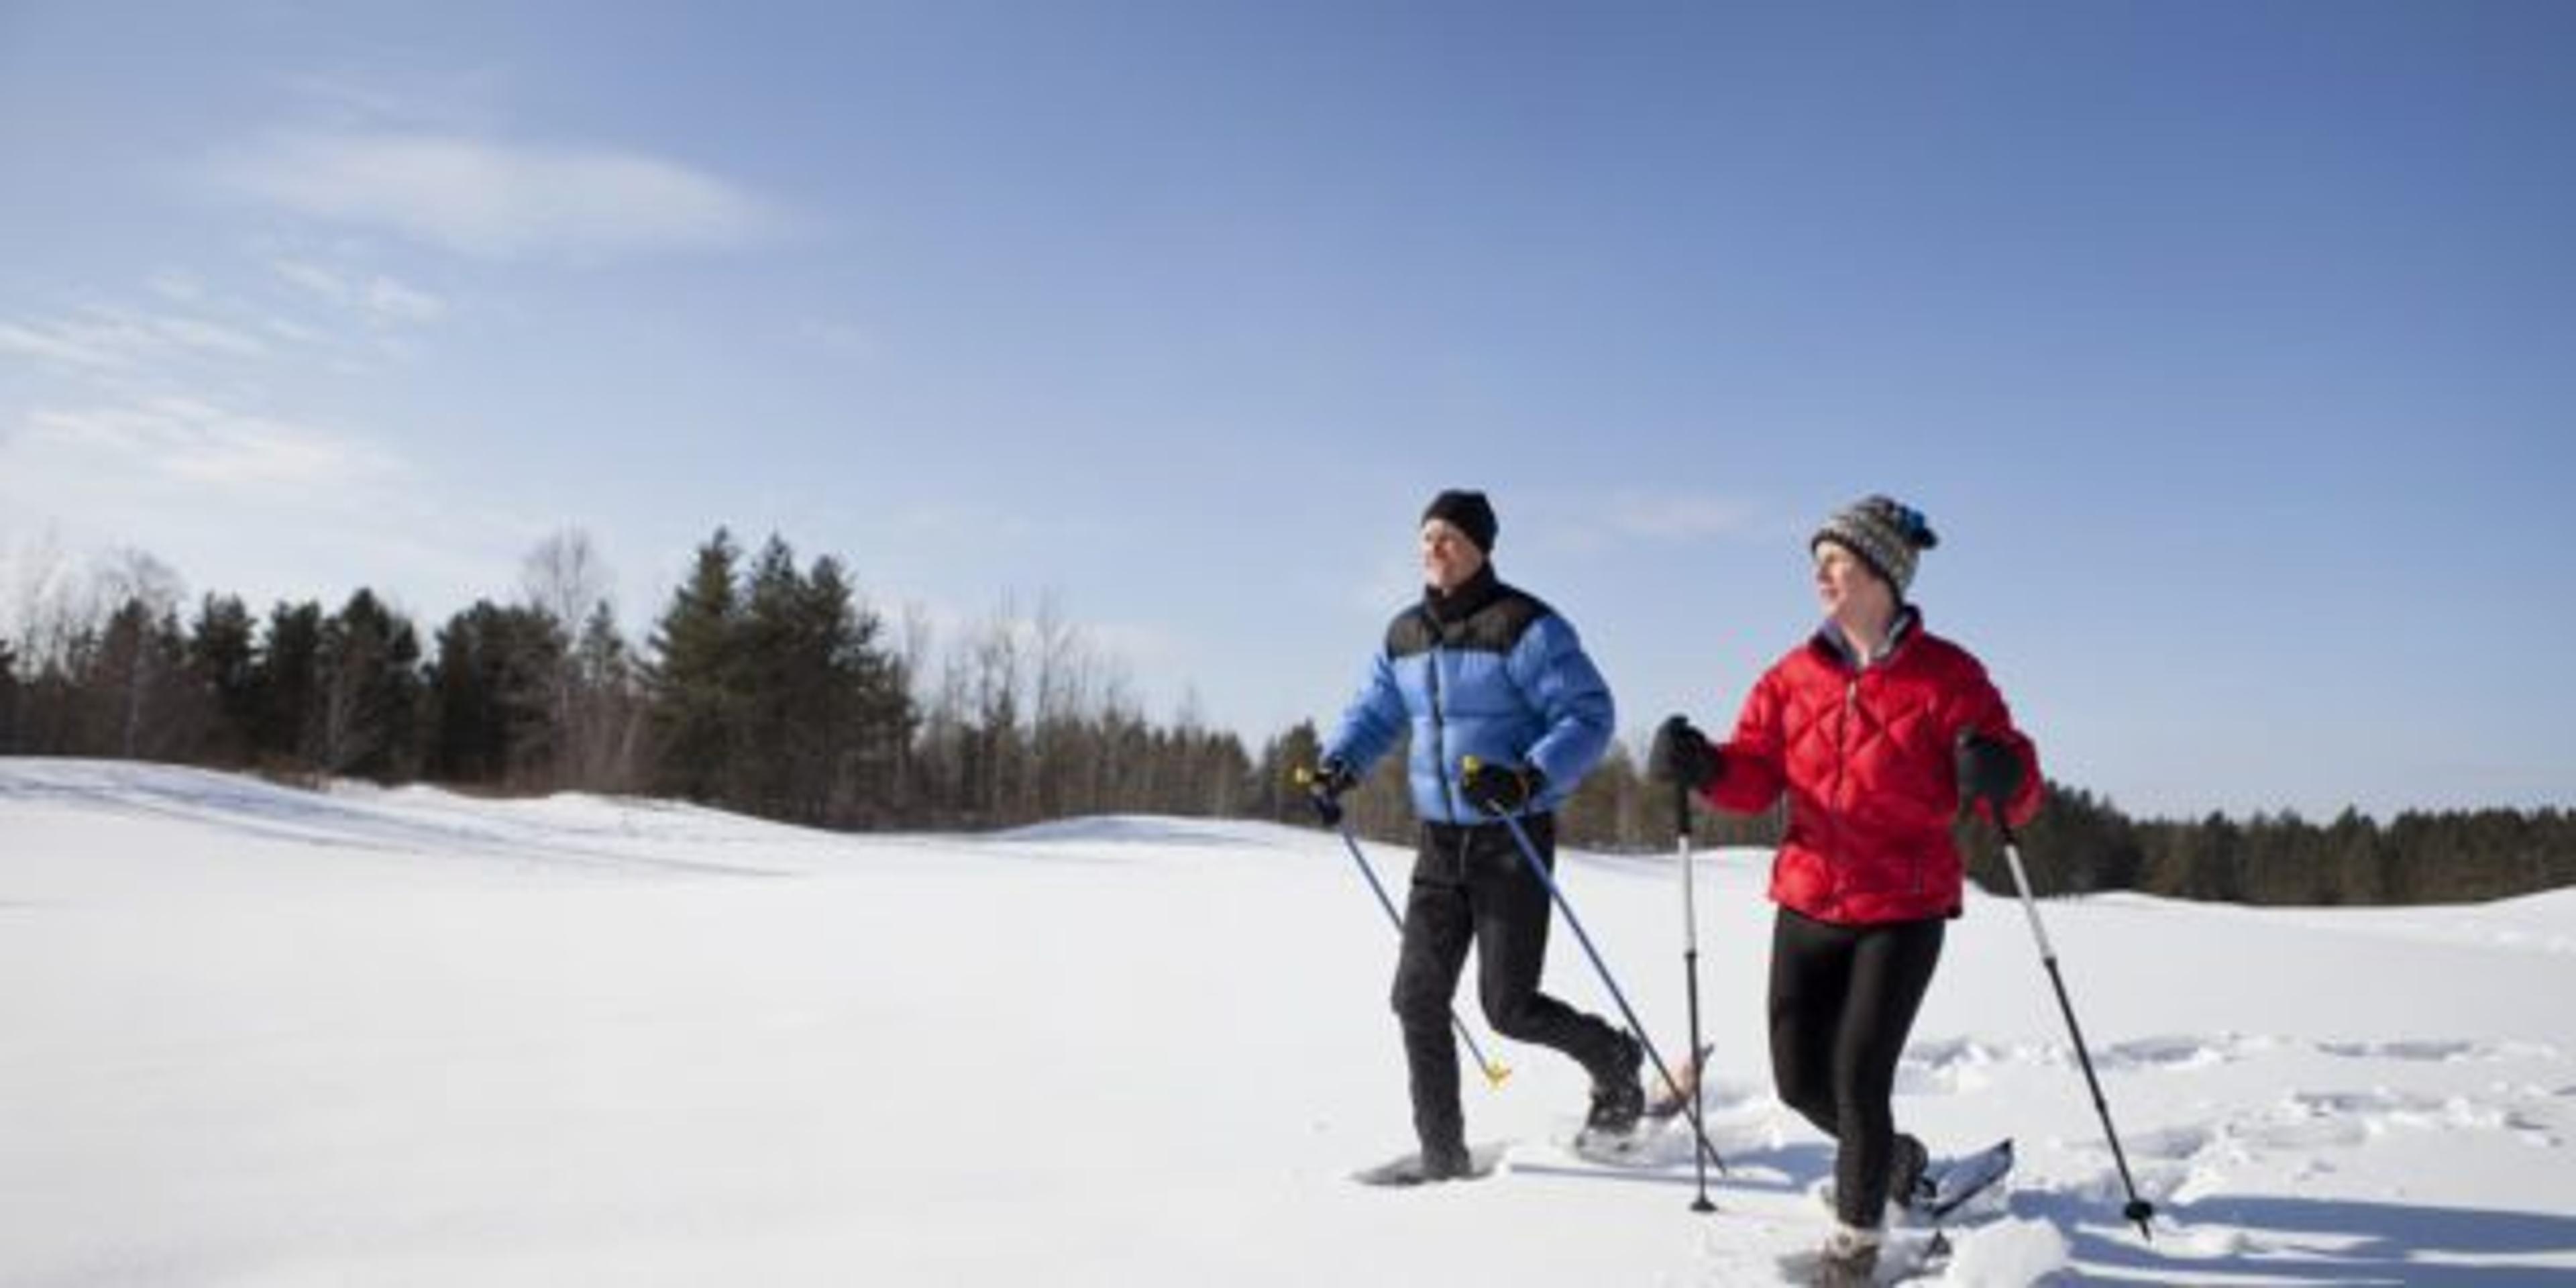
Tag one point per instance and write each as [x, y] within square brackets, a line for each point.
[1490, 672]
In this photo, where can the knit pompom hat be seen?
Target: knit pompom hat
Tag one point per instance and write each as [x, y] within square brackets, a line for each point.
[1887, 535]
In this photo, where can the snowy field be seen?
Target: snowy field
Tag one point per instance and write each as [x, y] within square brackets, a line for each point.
[251, 1035]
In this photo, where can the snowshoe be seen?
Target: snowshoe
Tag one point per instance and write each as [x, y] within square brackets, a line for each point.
[1430, 1167]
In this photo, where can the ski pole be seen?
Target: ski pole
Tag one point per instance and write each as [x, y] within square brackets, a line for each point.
[1690, 967]
[1529, 854]
[2138, 1209]
[1494, 1072]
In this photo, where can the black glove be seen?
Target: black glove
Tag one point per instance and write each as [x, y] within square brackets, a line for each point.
[1325, 784]
[1988, 771]
[1500, 789]
[1682, 754]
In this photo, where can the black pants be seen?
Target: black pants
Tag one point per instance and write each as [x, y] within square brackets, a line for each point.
[1842, 1000]
[1471, 885]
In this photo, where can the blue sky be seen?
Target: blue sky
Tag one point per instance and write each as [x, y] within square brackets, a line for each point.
[2232, 347]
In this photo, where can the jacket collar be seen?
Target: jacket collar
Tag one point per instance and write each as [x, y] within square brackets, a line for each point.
[1830, 642]
[1460, 604]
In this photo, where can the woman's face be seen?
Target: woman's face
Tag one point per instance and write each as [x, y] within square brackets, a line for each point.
[1846, 587]
[1448, 557]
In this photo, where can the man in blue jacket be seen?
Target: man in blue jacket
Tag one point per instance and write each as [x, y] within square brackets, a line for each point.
[1480, 670]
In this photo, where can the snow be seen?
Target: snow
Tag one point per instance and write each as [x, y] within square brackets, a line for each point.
[256, 1035]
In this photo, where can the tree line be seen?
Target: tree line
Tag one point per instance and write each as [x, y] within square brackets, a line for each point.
[772, 687]
[2081, 843]
[766, 685]
[2078, 844]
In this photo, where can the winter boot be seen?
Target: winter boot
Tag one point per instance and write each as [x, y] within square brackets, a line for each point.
[1849, 1258]
[1909, 1179]
[1909, 1183]
[1618, 1099]
[1447, 1161]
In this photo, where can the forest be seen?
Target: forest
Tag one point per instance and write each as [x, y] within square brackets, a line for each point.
[772, 687]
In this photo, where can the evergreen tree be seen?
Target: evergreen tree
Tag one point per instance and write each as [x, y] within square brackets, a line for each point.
[367, 688]
[823, 709]
[1274, 792]
[781, 685]
[223, 656]
[492, 689]
[284, 728]
[868, 714]
[2076, 844]
[693, 677]
[604, 725]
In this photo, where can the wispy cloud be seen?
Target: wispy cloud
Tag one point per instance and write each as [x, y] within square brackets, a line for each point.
[380, 297]
[183, 443]
[389, 299]
[382, 94]
[111, 338]
[496, 200]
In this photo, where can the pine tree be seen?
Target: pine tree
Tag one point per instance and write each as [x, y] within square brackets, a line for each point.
[692, 677]
[368, 691]
[866, 710]
[223, 655]
[493, 688]
[1274, 792]
[285, 722]
[780, 687]
[605, 724]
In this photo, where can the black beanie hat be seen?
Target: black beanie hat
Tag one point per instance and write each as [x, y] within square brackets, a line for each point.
[1466, 511]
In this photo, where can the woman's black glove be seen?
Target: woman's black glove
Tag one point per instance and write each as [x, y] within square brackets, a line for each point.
[1988, 771]
[1682, 754]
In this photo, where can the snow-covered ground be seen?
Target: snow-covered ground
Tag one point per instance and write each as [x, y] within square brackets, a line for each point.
[250, 1035]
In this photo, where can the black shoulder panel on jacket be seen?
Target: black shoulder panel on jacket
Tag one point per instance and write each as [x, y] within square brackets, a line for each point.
[1493, 628]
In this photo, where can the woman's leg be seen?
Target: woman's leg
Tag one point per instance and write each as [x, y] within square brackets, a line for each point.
[1810, 977]
[1891, 968]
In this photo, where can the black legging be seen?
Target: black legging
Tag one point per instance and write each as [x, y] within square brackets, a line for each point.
[1471, 886]
[1842, 1000]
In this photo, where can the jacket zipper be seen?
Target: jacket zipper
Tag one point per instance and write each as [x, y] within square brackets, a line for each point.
[1440, 728]
[1842, 775]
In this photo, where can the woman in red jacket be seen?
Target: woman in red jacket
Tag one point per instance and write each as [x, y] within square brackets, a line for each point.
[1876, 729]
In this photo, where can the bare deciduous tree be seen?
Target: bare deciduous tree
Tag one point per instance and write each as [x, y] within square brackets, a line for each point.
[565, 577]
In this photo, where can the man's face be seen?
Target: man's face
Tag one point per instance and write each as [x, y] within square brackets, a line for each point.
[1448, 557]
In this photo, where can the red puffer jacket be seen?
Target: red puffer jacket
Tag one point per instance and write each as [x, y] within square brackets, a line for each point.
[1868, 758]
